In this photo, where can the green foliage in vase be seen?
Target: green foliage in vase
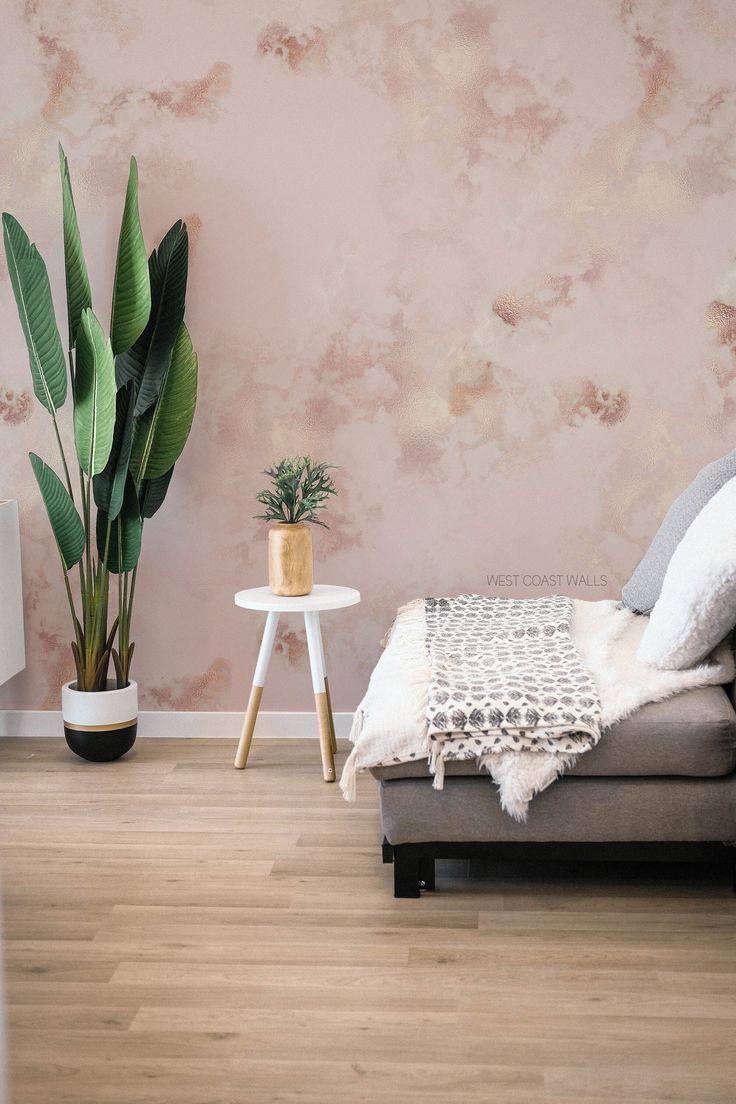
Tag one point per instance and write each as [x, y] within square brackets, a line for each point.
[133, 396]
[299, 489]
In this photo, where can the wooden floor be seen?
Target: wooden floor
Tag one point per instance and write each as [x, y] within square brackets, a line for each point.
[178, 932]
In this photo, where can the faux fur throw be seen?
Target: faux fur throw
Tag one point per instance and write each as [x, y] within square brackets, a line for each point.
[504, 674]
[391, 723]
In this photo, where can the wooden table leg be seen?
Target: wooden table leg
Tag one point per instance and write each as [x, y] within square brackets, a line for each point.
[259, 681]
[333, 738]
[316, 663]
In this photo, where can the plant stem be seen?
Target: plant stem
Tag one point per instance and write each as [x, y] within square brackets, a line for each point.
[87, 523]
[125, 619]
[70, 598]
[122, 610]
[121, 613]
[130, 597]
[63, 456]
[132, 592]
[103, 584]
[125, 609]
[107, 542]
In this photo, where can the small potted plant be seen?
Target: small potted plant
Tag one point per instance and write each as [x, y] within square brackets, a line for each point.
[133, 398]
[299, 490]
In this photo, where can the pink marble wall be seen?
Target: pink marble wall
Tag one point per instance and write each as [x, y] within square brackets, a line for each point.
[481, 255]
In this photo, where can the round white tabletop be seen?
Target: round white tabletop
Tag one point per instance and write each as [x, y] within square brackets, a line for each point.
[321, 598]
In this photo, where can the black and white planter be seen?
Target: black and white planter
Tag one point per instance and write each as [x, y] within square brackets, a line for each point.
[102, 725]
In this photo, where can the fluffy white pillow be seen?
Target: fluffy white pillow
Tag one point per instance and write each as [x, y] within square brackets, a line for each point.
[697, 606]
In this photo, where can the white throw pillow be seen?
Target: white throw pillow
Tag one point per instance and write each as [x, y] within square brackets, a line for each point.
[697, 606]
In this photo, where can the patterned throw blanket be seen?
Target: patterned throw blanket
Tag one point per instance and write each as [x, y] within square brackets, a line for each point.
[505, 676]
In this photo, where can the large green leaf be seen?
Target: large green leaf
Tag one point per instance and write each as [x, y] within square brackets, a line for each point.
[30, 283]
[124, 544]
[78, 294]
[153, 493]
[65, 521]
[94, 395]
[131, 296]
[146, 362]
[110, 483]
[161, 433]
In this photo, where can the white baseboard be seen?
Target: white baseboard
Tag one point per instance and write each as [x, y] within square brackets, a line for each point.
[169, 723]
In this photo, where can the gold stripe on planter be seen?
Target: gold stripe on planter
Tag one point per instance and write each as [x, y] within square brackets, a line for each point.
[102, 727]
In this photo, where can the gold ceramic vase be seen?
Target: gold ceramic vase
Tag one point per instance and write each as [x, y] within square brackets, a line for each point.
[290, 559]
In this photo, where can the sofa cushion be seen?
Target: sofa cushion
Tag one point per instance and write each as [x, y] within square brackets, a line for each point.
[697, 606]
[574, 810]
[644, 587]
[691, 734]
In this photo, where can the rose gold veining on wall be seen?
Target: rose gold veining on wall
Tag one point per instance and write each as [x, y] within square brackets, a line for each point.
[344, 532]
[188, 98]
[63, 73]
[723, 374]
[554, 291]
[450, 91]
[191, 692]
[296, 49]
[53, 651]
[676, 144]
[419, 411]
[659, 73]
[291, 644]
[340, 362]
[607, 407]
[476, 392]
[535, 121]
[468, 394]
[722, 318]
[194, 229]
[658, 70]
[510, 308]
[15, 406]
[599, 262]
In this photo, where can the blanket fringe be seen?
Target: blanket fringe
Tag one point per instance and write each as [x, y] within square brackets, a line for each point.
[349, 777]
[357, 726]
[408, 607]
[436, 763]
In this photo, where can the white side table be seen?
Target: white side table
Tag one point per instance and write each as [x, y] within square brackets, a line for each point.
[311, 605]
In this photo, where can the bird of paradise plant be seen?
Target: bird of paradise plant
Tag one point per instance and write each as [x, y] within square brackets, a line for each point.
[133, 396]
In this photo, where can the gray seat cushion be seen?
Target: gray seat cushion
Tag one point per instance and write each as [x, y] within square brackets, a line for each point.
[691, 734]
[574, 810]
[644, 586]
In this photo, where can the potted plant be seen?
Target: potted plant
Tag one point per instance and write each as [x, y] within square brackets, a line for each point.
[299, 490]
[133, 399]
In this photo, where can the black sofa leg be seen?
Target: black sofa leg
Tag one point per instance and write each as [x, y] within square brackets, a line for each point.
[387, 851]
[407, 865]
[426, 872]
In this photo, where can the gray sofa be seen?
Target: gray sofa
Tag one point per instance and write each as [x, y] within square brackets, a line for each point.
[660, 784]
